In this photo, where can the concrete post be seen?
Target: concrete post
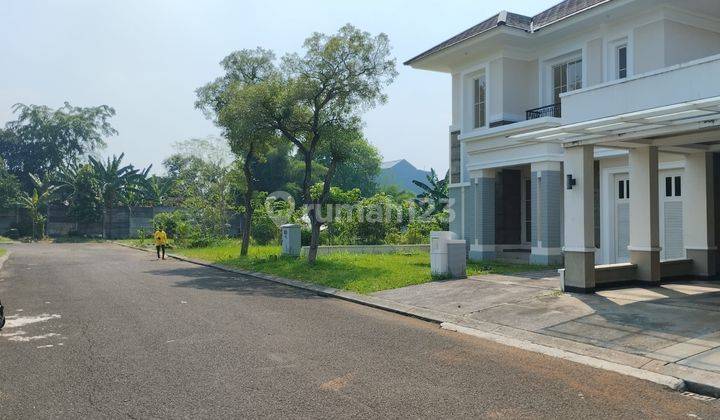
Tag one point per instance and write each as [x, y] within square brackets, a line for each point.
[547, 210]
[483, 245]
[644, 213]
[579, 218]
[699, 214]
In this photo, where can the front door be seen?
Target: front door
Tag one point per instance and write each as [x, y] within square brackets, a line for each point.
[622, 219]
[671, 215]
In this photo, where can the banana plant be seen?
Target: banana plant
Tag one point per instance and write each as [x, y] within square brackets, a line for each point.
[114, 183]
[35, 202]
[434, 192]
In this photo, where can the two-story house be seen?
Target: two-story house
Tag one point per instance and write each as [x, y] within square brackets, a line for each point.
[588, 134]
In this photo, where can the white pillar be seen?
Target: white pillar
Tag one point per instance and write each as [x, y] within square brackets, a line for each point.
[699, 213]
[644, 213]
[579, 218]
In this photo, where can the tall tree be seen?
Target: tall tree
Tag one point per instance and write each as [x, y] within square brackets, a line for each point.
[114, 183]
[42, 139]
[9, 187]
[225, 101]
[360, 171]
[322, 93]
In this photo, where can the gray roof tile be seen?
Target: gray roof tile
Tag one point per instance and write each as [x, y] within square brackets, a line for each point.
[514, 20]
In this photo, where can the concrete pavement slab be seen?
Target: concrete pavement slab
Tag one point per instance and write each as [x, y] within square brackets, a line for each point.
[708, 360]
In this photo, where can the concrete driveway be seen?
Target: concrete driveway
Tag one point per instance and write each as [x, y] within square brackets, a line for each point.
[101, 331]
[677, 322]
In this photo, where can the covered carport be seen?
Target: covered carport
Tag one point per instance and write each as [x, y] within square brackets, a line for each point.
[691, 129]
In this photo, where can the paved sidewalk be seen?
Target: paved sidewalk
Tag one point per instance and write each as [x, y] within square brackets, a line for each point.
[673, 329]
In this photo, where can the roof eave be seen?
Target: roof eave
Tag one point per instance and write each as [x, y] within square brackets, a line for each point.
[416, 62]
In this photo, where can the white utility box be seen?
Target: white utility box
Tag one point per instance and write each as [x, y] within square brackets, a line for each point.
[291, 242]
[439, 252]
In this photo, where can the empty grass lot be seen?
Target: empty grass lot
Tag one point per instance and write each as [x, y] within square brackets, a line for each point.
[355, 272]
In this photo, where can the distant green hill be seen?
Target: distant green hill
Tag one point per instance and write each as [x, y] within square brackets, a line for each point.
[400, 173]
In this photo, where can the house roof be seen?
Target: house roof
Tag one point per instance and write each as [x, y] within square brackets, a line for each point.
[390, 164]
[528, 24]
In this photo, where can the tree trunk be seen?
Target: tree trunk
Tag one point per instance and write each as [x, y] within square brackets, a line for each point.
[314, 237]
[247, 223]
[316, 207]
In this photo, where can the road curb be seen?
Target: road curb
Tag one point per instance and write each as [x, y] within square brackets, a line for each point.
[498, 333]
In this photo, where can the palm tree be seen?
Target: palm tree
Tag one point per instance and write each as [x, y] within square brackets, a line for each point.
[435, 192]
[114, 183]
[34, 203]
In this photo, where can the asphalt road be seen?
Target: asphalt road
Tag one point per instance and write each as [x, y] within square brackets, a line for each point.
[96, 330]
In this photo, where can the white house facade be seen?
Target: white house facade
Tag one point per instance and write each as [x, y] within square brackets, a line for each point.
[588, 134]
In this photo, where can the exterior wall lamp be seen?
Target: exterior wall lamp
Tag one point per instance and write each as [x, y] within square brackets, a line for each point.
[570, 181]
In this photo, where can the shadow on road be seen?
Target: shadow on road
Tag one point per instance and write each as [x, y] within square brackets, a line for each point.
[209, 279]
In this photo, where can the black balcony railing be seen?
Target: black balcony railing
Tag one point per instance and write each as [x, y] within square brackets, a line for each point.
[544, 111]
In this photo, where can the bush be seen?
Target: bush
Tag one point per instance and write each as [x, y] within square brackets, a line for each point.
[183, 229]
[263, 230]
[418, 232]
[379, 217]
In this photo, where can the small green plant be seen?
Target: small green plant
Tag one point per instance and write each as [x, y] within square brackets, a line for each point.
[142, 236]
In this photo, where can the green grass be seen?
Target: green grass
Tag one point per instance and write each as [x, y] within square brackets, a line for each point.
[355, 272]
[4, 240]
[2, 252]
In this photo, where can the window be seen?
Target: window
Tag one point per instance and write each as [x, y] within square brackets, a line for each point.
[479, 102]
[454, 157]
[624, 189]
[528, 210]
[566, 78]
[621, 60]
[673, 186]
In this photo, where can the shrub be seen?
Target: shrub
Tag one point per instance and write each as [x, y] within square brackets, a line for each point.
[263, 230]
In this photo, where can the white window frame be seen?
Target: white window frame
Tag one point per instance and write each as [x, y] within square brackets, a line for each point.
[619, 69]
[479, 107]
[548, 87]
[468, 76]
[612, 63]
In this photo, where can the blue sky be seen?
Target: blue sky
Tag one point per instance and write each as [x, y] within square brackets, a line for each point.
[146, 57]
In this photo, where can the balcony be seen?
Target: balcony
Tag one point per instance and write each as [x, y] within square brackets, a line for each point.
[553, 110]
[677, 84]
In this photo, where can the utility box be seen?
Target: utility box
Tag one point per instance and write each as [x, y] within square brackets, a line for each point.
[291, 243]
[457, 258]
[439, 252]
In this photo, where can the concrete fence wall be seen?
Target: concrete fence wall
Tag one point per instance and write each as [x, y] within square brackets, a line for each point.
[126, 221]
[368, 249]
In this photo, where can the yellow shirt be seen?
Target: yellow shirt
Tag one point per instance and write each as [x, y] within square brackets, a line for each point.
[160, 237]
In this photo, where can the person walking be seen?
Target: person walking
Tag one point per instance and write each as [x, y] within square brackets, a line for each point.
[160, 241]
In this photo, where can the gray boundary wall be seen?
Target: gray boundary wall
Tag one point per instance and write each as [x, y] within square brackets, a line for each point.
[126, 221]
[368, 249]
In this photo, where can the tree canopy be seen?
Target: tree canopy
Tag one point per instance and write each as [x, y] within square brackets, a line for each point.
[43, 139]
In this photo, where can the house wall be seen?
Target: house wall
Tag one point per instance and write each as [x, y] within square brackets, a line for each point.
[608, 168]
[685, 43]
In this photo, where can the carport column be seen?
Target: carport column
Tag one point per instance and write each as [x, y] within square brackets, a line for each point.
[546, 198]
[483, 184]
[579, 220]
[699, 213]
[644, 213]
